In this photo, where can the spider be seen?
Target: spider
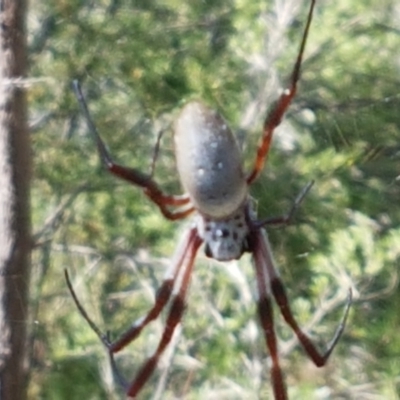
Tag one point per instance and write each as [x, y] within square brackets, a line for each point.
[217, 192]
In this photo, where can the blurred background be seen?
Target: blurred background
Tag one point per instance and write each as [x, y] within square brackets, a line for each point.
[139, 61]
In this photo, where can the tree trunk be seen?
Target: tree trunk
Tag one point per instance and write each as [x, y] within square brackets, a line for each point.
[15, 169]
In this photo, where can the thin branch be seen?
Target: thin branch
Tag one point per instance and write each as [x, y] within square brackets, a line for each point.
[54, 220]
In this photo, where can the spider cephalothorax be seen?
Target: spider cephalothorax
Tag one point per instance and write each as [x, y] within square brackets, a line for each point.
[225, 239]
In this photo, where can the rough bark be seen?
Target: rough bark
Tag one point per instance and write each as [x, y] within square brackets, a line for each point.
[15, 167]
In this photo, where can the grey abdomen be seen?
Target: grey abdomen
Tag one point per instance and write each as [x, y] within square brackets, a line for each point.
[209, 161]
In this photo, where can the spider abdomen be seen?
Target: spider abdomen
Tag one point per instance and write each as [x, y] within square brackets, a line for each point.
[209, 161]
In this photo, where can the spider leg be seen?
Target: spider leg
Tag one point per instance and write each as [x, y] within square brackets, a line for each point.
[103, 337]
[265, 314]
[286, 218]
[175, 284]
[280, 296]
[156, 151]
[164, 292]
[132, 175]
[173, 319]
[162, 297]
[274, 117]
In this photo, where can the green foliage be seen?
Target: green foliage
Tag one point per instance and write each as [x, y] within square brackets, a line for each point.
[138, 62]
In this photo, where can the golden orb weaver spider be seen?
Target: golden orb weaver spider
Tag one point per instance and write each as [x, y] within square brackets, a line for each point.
[210, 169]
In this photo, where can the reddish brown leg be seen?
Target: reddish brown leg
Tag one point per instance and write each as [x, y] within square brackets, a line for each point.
[279, 294]
[175, 283]
[132, 175]
[265, 313]
[185, 248]
[174, 318]
[274, 117]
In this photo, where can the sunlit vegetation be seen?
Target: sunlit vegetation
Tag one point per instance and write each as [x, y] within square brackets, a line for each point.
[138, 62]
